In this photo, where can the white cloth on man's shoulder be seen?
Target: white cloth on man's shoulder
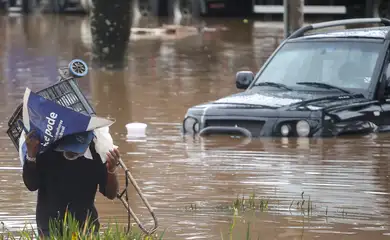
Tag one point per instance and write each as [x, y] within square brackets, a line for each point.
[103, 143]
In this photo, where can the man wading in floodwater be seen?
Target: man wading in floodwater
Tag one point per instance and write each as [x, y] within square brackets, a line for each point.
[68, 180]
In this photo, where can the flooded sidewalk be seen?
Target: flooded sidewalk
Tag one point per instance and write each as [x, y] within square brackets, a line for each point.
[191, 182]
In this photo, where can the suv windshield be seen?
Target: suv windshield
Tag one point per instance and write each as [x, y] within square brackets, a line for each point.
[334, 65]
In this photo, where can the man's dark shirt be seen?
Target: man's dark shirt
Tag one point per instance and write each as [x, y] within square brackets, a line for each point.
[62, 184]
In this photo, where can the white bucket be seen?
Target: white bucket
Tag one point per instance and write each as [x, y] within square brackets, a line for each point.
[136, 130]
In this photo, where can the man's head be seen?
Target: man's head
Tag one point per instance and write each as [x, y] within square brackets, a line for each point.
[75, 145]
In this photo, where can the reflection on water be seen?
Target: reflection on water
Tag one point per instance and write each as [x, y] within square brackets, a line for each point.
[347, 179]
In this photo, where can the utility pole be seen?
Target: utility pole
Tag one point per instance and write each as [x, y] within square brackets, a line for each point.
[293, 16]
[111, 22]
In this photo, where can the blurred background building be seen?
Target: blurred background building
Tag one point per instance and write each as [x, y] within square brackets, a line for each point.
[268, 9]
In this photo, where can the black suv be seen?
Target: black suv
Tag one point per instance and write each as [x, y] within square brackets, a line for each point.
[313, 85]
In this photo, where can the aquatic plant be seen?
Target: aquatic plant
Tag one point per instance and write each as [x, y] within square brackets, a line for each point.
[254, 203]
[70, 229]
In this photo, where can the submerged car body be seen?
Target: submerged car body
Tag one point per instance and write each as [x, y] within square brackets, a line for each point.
[317, 85]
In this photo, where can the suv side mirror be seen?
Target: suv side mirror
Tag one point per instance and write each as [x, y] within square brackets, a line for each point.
[244, 79]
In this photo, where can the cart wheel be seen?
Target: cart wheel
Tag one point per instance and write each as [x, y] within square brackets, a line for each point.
[78, 68]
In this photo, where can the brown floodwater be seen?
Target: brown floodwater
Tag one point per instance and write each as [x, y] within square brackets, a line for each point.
[347, 179]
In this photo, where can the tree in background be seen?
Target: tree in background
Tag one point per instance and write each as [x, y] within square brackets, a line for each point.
[111, 23]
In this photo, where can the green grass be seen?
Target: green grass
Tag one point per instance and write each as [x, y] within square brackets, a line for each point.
[72, 230]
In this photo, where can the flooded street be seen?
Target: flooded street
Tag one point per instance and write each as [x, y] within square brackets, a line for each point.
[346, 179]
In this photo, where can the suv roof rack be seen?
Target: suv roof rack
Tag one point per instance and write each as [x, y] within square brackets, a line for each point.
[300, 32]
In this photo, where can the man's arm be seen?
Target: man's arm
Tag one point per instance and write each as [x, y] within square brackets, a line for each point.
[30, 174]
[30, 168]
[112, 186]
[108, 181]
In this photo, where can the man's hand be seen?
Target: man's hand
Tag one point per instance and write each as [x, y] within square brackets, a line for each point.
[111, 189]
[33, 144]
[112, 160]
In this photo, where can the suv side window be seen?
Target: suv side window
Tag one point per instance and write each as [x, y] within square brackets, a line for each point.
[386, 91]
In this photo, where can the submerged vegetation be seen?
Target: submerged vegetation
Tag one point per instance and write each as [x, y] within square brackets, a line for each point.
[246, 204]
[253, 203]
[71, 229]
